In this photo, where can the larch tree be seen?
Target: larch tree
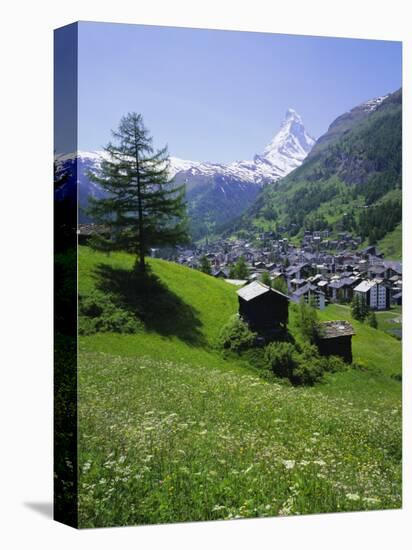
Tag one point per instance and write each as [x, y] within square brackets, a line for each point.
[142, 207]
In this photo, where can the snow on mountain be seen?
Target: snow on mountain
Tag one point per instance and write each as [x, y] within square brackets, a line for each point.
[285, 152]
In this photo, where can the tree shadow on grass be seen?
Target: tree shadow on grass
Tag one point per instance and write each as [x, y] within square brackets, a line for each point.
[150, 300]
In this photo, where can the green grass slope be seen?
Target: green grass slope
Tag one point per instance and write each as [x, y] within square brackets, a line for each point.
[169, 431]
[379, 356]
[391, 244]
[207, 302]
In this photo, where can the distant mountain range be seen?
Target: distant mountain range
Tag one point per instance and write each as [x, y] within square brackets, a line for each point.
[217, 192]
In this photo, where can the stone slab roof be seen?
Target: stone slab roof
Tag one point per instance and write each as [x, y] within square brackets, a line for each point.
[335, 329]
[255, 289]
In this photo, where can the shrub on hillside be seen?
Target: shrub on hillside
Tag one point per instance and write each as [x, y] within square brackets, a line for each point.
[99, 313]
[310, 366]
[255, 356]
[307, 373]
[361, 365]
[236, 336]
[282, 358]
[301, 365]
[333, 363]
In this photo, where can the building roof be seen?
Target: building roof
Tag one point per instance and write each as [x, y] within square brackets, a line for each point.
[216, 272]
[335, 329]
[236, 282]
[377, 269]
[364, 286]
[298, 281]
[396, 266]
[304, 290]
[345, 281]
[255, 289]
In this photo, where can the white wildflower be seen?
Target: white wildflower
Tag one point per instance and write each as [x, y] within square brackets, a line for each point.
[218, 507]
[371, 500]
[288, 464]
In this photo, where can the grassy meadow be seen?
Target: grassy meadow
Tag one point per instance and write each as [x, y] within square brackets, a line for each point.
[391, 244]
[170, 430]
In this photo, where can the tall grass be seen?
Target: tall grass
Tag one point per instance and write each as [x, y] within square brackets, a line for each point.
[166, 442]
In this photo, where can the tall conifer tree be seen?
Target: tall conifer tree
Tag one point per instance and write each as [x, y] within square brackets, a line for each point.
[142, 207]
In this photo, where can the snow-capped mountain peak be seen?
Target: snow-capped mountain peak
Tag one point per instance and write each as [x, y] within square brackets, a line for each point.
[292, 115]
[290, 145]
[285, 152]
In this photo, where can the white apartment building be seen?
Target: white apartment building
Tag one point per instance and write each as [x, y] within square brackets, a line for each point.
[375, 293]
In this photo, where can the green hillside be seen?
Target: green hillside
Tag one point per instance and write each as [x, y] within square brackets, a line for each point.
[197, 306]
[171, 431]
[350, 181]
[391, 244]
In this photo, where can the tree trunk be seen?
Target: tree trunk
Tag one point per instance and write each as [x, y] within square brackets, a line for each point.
[142, 264]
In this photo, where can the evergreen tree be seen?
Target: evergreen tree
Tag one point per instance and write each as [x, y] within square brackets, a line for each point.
[205, 266]
[372, 319]
[232, 272]
[266, 280]
[142, 208]
[355, 307]
[340, 296]
[280, 284]
[364, 308]
[307, 321]
[241, 270]
[359, 308]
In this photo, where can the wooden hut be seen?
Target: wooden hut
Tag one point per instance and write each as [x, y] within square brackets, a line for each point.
[335, 338]
[263, 308]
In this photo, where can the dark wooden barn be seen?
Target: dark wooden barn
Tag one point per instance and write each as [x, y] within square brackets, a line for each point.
[335, 338]
[263, 308]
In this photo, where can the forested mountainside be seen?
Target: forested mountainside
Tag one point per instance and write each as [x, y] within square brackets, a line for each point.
[350, 181]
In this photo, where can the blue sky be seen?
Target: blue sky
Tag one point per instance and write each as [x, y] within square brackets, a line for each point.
[221, 95]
